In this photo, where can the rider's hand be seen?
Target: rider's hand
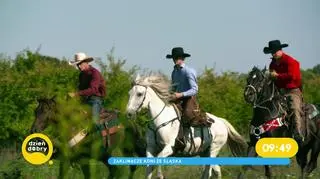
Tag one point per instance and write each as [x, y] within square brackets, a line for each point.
[178, 95]
[172, 98]
[274, 74]
[72, 95]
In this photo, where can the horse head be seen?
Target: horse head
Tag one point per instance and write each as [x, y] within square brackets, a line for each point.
[45, 113]
[257, 81]
[262, 93]
[143, 90]
[138, 97]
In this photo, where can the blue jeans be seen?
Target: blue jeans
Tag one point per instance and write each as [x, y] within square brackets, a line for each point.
[96, 104]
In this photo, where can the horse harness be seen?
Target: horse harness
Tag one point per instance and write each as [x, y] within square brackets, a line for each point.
[275, 122]
[180, 132]
[278, 120]
[149, 121]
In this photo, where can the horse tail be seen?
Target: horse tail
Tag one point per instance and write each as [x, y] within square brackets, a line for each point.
[236, 142]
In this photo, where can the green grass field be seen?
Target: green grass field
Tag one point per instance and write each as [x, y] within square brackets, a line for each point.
[14, 166]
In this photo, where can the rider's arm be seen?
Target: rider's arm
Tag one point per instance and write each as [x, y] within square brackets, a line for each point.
[192, 79]
[94, 85]
[293, 70]
[271, 68]
[173, 85]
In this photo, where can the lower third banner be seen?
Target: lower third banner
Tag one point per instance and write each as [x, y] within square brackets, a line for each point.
[197, 161]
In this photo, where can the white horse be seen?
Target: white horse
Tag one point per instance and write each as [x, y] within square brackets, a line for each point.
[152, 93]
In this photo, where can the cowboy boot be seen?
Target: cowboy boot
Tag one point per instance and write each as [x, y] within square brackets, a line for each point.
[200, 121]
[205, 120]
[206, 123]
[180, 141]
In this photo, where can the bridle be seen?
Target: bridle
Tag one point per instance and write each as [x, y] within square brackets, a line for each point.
[155, 130]
[277, 118]
[144, 97]
[259, 104]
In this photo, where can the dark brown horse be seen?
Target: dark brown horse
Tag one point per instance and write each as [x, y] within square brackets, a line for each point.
[48, 114]
[270, 104]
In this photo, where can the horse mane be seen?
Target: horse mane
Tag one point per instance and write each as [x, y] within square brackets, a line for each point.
[47, 104]
[51, 102]
[159, 83]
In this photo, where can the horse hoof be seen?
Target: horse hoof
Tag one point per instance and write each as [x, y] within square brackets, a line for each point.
[309, 170]
[310, 175]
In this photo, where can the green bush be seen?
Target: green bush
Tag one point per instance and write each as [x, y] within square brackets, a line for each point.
[31, 75]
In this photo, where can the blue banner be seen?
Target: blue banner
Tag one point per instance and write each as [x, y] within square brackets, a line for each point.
[197, 161]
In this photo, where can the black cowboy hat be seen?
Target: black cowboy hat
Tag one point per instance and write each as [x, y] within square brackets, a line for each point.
[177, 52]
[274, 46]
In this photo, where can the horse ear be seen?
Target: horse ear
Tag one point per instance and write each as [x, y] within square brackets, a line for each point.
[267, 73]
[254, 68]
[146, 80]
[138, 77]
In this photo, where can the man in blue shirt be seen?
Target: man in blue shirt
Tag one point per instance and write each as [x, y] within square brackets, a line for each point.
[185, 88]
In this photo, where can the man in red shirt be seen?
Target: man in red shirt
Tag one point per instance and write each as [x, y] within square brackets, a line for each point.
[91, 87]
[286, 72]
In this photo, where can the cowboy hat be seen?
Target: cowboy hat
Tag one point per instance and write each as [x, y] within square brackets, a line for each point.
[79, 58]
[274, 46]
[177, 52]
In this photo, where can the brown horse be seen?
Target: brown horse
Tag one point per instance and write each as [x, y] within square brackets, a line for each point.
[48, 114]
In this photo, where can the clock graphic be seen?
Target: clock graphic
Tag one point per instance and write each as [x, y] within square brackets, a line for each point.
[276, 147]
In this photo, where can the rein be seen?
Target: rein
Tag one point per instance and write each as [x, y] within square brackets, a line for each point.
[149, 121]
[259, 105]
[144, 97]
[275, 120]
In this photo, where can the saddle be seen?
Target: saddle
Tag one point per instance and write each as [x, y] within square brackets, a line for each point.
[180, 142]
[110, 124]
[309, 111]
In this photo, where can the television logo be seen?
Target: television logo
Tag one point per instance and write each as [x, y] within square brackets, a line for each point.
[37, 149]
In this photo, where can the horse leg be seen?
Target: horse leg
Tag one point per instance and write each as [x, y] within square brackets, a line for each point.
[166, 151]
[251, 153]
[206, 171]
[150, 153]
[314, 157]
[139, 149]
[302, 158]
[159, 173]
[268, 171]
[214, 150]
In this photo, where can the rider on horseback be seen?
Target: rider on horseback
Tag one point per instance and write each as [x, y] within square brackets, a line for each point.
[91, 86]
[286, 72]
[185, 89]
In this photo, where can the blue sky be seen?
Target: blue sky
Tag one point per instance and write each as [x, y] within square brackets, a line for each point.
[225, 35]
